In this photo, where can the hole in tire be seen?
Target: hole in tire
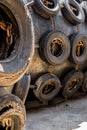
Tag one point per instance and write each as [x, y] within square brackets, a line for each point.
[56, 47]
[72, 85]
[49, 3]
[8, 37]
[74, 9]
[48, 88]
[80, 49]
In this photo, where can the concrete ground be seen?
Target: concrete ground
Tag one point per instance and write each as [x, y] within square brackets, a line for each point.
[71, 115]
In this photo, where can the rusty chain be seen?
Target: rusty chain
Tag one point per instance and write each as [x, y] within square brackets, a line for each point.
[7, 27]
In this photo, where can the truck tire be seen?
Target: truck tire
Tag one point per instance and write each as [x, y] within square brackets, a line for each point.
[71, 83]
[78, 48]
[53, 47]
[73, 12]
[46, 10]
[12, 113]
[47, 87]
[21, 88]
[18, 55]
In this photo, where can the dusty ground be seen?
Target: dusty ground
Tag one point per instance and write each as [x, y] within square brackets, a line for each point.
[71, 115]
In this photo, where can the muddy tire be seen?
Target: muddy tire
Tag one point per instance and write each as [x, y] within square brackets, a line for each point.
[71, 83]
[21, 88]
[12, 113]
[20, 52]
[48, 10]
[53, 47]
[47, 87]
[73, 12]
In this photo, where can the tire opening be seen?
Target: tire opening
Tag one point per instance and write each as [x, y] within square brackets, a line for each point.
[48, 88]
[80, 49]
[56, 47]
[49, 3]
[72, 85]
[74, 9]
[9, 32]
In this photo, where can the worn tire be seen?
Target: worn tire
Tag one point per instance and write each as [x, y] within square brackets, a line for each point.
[44, 89]
[13, 110]
[21, 88]
[84, 86]
[75, 56]
[14, 66]
[46, 11]
[55, 52]
[76, 78]
[74, 17]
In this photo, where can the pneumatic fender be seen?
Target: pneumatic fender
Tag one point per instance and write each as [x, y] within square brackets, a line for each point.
[46, 9]
[73, 12]
[15, 65]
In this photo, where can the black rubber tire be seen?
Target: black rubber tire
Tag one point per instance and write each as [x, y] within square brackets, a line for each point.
[84, 86]
[42, 83]
[69, 14]
[74, 77]
[12, 108]
[44, 11]
[75, 39]
[46, 49]
[21, 88]
[14, 67]
[84, 6]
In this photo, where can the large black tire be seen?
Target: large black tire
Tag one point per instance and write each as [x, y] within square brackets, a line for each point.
[46, 11]
[12, 113]
[47, 87]
[73, 12]
[71, 83]
[15, 65]
[78, 48]
[21, 88]
[55, 47]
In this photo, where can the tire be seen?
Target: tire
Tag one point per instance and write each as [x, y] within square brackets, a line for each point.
[84, 86]
[12, 113]
[46, 11]
[21, 88]
[47, 87]
[74, 17]
[76, 78]
[53, 47]
[21, 50]
[84, 6]
[78, 49]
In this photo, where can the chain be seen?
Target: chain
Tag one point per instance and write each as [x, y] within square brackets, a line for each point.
[7, 27]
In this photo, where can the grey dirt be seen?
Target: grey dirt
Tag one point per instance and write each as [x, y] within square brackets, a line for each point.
[70, 115]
